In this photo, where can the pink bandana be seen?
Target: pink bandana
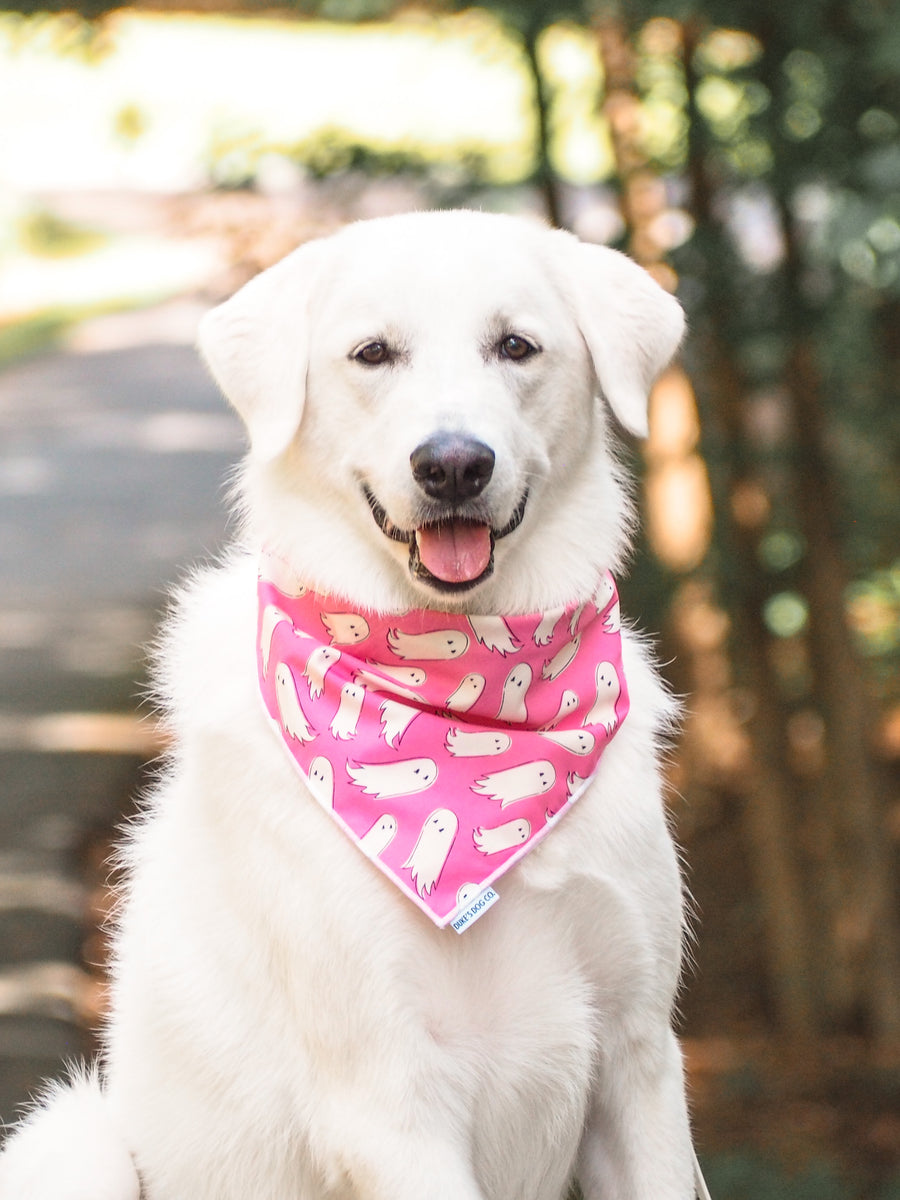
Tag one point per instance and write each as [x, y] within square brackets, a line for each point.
[445, 746]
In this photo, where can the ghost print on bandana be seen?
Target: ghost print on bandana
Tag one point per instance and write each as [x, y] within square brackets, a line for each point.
[446, 746]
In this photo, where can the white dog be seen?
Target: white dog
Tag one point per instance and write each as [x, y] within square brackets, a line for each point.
[428, 403]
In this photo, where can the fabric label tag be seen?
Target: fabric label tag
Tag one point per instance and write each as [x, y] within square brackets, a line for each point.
[477, 908]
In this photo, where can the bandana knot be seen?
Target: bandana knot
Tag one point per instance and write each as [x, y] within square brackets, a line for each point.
[446, 746]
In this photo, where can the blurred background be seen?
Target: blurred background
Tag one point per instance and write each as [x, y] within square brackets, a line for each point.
[747, 152]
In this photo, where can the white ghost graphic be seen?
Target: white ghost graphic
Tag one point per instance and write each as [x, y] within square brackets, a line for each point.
[410, 677]
[544, 632]
[494, 634]
[439, 644]
[292, 717]
[575, 618]
[395, 720]
[403, 778]
[345, 629]
[321, 780]
[567, 704]
[377, 839]
[345, 719]
[517, 783]
[467, 693]
[377, 683]
[502, 837]
[515, 689]
[612, 622]
[317, 667]
[603, 710]
[430, 852]
[578, 741]
[463, 744]
[563, 658]
[272, 617]
[468, 892]
[605, 591]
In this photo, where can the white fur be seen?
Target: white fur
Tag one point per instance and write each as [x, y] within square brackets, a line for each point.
[71, 1149]
[286, 1024]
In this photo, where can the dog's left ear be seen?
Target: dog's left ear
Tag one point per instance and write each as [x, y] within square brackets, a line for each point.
[256, 346]
[631, 325]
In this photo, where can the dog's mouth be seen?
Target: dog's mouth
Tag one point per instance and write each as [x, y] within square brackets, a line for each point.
[452, 553]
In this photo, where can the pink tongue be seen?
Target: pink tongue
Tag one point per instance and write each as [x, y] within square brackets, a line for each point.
[456, 552]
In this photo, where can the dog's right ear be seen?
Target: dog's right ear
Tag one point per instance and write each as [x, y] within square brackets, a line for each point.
[630, 325]
[256, 346]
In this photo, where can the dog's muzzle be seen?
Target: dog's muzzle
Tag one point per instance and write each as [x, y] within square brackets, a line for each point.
[451, 553]
[452, 550]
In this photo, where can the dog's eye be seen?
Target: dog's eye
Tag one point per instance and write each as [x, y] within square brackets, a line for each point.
[516, 348]
[373, 354]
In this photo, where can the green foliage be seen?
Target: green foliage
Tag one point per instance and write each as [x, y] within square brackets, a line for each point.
[346, 10]
[21, 339]
[791, 121]
[745, 1177]
[235, 156]
[45, 235]
[333, 151]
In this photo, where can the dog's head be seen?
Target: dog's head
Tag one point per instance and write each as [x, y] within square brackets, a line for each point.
[423, 396]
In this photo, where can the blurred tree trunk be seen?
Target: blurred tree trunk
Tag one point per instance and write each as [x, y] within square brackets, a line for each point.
[766, 791]
[858, 970]
[765, 786]
[769, 792]
[865, 931]
[545, 174]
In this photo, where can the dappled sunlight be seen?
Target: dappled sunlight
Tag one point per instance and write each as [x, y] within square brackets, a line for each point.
[677, 493]
[133, 270]
[81, 733]
[249, 88]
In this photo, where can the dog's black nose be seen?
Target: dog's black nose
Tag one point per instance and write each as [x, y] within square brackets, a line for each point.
[452, 467]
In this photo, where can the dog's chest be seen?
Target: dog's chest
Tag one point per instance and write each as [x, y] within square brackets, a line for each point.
[509, 1011]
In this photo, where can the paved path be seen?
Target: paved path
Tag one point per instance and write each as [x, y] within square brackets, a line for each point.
[113, 457]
